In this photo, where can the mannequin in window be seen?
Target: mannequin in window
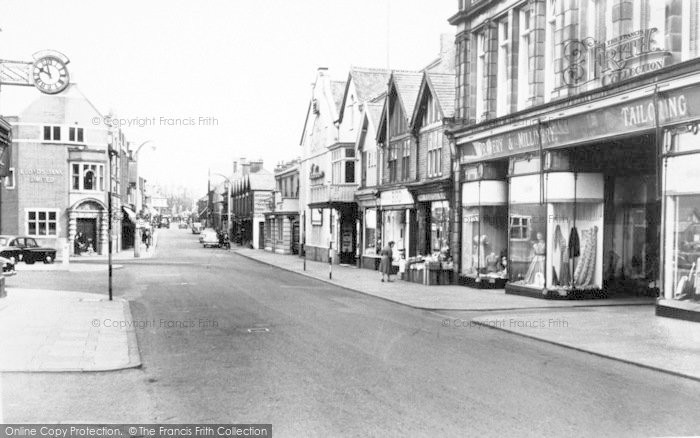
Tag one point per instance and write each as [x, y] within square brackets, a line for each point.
[492, 263]
[535, 273]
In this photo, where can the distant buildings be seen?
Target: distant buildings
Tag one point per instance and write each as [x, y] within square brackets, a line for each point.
[282, 227]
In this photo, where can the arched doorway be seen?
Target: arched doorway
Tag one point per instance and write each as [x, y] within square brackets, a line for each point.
[89, 217]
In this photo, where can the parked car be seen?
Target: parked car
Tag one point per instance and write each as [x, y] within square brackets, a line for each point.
[8, 268]
[182, 225]
[196, 227]
[25, 249]
[208, 237]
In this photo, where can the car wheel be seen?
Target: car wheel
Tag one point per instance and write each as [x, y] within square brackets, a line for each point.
[29, 260]
[48, 259]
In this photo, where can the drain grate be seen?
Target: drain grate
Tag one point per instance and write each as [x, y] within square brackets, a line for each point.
[258, 330]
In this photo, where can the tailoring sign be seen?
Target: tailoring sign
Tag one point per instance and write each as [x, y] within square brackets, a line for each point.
[674, 106]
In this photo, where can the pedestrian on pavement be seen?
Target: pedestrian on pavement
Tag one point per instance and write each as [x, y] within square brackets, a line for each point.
[78, 243]
[146, 238]
[387, 254]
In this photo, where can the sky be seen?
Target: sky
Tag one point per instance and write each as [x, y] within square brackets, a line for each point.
[239, 72]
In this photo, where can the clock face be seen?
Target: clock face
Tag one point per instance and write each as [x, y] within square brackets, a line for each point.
[50, 75]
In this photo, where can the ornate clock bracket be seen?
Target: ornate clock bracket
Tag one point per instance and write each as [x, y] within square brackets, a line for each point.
[21, 72]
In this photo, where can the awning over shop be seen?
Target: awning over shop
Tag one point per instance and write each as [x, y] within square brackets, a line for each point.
[129, 213]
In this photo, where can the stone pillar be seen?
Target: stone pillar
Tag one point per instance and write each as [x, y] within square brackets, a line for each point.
[491, 70]
[536, 52]
[622, 17]
[464, 84]
[423, 228]
[72, 231]
[674, 27]
[571, 70]
[104, 236]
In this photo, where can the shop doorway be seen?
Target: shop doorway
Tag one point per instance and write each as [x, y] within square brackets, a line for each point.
[261, 235]
[348, 236]
[88, 227]
[295, 237]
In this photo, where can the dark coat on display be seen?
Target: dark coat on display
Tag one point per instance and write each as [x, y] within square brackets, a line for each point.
[574, 244]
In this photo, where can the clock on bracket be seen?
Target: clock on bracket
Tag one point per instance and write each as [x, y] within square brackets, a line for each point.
[50, 74]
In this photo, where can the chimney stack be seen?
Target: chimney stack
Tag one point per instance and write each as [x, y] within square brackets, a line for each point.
[245, 166]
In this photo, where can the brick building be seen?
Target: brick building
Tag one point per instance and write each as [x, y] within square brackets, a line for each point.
[59, 176]
[251, 198]
[282, 227]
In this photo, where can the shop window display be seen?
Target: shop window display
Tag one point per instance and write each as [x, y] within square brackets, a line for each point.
[371, 235]
[485, 229]
[394, 223]
[528, 248]
[575, 260]
[439, 226]
[683, 233]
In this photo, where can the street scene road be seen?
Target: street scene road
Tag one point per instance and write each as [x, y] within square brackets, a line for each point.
[238, 341]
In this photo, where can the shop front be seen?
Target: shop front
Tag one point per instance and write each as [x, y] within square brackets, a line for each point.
[681, 195]
[397, 221]
[432, 263]
[369, 229]
[484, 221]
[592, 210]
[555, 228]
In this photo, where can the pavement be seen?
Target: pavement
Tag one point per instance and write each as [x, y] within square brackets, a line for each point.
[59, 331]
[418, 296]
[125, 254]
[632, 334]
[625, 329]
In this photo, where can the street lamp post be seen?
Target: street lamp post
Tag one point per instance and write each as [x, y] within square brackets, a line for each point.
[111, 152]
[137, 237]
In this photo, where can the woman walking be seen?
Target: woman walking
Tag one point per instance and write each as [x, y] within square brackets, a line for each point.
[387, 254]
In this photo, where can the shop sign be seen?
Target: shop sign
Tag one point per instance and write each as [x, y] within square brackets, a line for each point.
[396, 197]
[37, 175]
[428, 197]
[263, 202]
[673, 107]
[615, 60]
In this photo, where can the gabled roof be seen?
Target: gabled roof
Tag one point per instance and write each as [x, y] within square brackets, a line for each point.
[332, 92]
[442, 87]
[405, 85]
[337, 91]
[374, 112]
[369, 82]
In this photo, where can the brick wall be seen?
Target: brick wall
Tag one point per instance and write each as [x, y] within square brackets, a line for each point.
[491, 71]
